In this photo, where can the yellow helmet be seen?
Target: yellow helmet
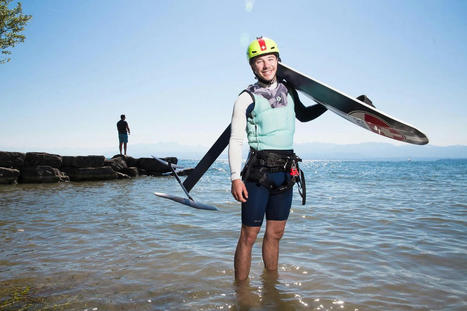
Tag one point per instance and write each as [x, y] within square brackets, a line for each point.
[261, 46]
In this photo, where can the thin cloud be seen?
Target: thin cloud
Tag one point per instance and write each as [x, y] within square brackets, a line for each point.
[249, 4]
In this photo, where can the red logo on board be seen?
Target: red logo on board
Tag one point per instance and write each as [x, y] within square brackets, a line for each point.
[376, 124]
[382, 128]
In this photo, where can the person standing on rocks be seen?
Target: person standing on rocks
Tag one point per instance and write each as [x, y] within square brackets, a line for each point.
[123, 132]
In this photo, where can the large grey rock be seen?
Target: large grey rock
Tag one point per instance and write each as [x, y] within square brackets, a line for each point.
[117, 164]
[89, 161]
[67, 161]
[130, 171]
[8, 175]
[83, 161]
[12, 159]
[91, 173]
[152, 167]
[130, 161]
[42, 174]
[42, 159]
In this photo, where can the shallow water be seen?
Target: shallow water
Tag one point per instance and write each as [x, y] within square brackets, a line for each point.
[373, 236]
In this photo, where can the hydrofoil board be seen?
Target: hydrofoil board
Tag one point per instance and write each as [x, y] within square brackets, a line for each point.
[187, 201]
[351, 109]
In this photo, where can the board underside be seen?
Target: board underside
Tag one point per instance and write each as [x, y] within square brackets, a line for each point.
[352, 109]
[186, 201]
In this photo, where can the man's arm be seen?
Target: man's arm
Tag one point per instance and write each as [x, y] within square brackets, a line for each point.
[302, 113]
[305, 114]
[238, 126]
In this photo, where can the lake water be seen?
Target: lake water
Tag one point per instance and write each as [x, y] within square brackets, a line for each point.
[373, 236]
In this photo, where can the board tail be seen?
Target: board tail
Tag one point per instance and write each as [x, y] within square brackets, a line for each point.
[201, 168]
[213, 153]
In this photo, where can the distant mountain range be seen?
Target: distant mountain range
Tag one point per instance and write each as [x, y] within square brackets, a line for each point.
[379, 151]
[308, 151]
[321, 151]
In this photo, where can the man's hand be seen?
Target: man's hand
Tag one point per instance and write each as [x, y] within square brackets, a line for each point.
[239, 191]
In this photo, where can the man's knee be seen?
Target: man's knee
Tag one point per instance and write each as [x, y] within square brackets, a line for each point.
[274, 233]
[248, 235]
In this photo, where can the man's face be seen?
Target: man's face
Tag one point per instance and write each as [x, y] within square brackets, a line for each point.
[265, 66]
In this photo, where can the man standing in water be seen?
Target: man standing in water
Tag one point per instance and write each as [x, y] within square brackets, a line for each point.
[267, 111]
[123, 132]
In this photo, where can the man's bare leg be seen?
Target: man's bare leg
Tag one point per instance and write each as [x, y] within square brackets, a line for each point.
[245, 244]
[274, 232]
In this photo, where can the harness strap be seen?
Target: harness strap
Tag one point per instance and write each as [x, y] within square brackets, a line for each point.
[264, 162]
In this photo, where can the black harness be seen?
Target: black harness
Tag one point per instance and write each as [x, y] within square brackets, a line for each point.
[264, 162]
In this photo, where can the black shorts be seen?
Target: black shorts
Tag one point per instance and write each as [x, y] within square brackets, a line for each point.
[260, 202]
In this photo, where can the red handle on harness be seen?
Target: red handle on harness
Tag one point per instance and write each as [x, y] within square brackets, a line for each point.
[293, 171]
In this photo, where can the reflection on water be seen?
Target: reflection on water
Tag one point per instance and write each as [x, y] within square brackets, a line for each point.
[267, 296]
[269, 293]
[374, 236]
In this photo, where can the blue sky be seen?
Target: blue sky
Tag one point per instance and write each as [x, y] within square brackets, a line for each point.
[175, 68]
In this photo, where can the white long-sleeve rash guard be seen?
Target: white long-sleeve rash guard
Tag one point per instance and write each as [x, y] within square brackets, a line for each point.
[238, 131]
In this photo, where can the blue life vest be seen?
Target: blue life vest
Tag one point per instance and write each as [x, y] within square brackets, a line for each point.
[271, 123]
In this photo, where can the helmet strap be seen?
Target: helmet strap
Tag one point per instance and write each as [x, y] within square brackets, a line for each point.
[268, 83]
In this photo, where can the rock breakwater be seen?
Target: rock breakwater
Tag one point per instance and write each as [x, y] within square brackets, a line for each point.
[42, 167]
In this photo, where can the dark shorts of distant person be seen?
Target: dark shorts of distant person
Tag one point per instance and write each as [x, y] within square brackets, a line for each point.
[123, 138]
